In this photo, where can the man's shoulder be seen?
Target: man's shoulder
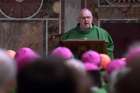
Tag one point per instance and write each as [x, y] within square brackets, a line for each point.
[73, 29]
[100, 29]
[68, 33]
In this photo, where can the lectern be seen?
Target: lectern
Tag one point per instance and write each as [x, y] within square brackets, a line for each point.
[80, 46]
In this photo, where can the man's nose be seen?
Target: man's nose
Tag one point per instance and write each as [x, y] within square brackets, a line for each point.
[86, 19]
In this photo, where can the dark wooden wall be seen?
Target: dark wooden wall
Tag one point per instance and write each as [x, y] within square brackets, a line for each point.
[20, 27]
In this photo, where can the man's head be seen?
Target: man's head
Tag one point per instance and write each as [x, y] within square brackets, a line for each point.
[24, 56]
[85, 19]
[62, 52]
[51, 75]
[7, 72]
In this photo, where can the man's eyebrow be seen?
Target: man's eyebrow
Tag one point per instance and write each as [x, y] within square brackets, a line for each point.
[85, 16]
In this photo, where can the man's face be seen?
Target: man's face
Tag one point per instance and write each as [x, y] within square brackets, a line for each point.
[86, 19]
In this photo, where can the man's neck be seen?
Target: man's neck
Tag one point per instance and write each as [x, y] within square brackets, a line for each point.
[85, 29]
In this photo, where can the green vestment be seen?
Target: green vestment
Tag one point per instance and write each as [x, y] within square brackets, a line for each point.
[94, 33]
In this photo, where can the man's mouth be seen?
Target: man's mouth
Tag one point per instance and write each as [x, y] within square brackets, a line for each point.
[86, 23]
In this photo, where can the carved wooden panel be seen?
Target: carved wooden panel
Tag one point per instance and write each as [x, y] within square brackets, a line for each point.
[20, 8]
[50, 9]
[114, 9]
[30, 8]
[17, 34]
[119, 2]
[119, 12]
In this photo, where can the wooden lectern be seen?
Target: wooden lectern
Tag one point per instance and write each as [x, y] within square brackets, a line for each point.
[80, 46]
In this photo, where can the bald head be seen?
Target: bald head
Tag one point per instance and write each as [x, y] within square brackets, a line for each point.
[7, 67]
[85, 18]
[85, 11]
[7, 72]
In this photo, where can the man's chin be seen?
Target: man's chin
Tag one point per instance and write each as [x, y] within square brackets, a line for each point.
[87, 27]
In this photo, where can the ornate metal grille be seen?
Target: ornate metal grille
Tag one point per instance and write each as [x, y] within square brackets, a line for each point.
[120, 2]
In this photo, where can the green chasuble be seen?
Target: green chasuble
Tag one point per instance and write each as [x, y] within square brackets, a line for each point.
[95, 33]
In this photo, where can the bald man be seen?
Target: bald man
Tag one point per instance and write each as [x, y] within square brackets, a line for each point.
[7, 73]
[86, 30]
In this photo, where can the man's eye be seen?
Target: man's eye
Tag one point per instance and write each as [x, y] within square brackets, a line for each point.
[86, 17]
